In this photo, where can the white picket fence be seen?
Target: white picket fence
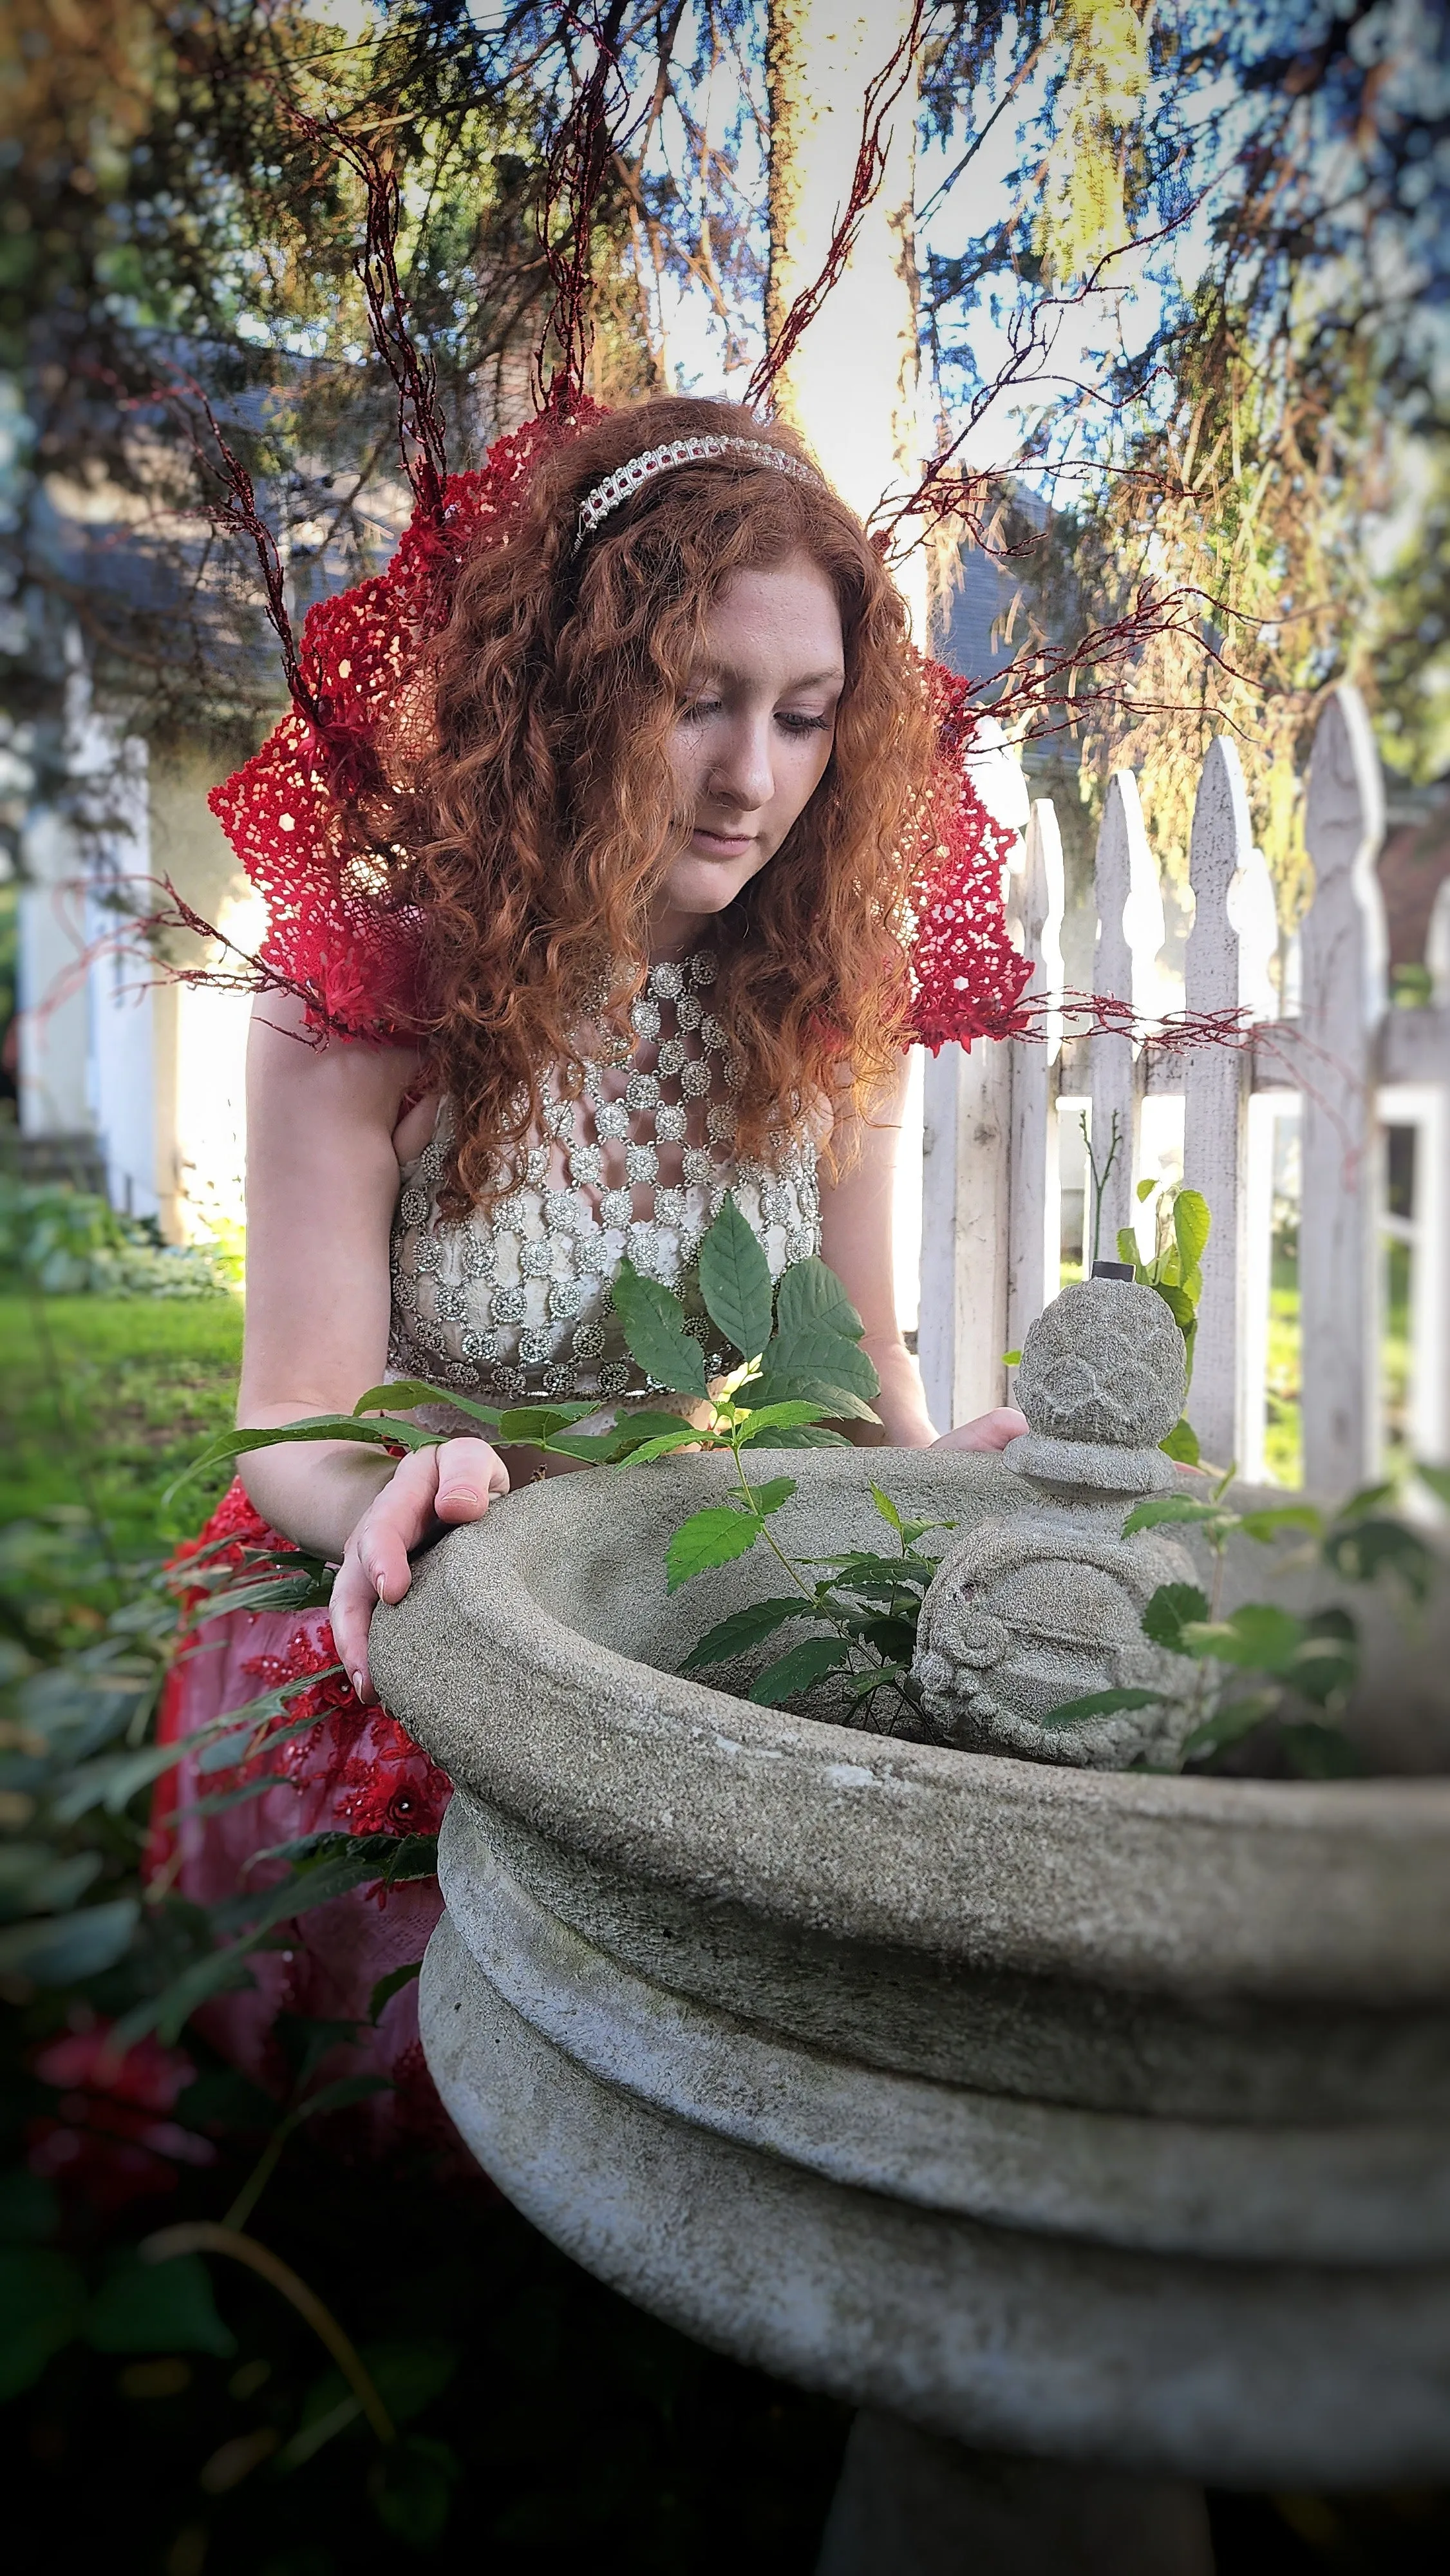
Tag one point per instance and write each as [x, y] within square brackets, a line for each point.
[1350, 1068]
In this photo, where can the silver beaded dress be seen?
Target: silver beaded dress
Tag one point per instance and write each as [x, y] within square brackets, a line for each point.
[517, 1303]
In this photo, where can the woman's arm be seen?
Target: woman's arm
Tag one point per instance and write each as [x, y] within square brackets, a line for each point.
[322, 1182]
[856, 1240]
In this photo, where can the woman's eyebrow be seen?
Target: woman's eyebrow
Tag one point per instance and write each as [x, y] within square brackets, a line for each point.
[716, 671]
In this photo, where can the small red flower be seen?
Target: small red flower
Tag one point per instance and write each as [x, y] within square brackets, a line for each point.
[108, 2140]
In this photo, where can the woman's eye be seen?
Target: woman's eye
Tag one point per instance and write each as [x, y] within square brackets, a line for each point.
[699, 709]
[804, 724]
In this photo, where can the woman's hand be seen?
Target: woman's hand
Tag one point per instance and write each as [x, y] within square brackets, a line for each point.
[452, 1483]
[989, 1431]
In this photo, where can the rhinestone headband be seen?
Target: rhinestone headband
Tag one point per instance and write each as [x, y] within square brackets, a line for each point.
[627, 478]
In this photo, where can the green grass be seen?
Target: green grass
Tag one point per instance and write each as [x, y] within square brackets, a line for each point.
[104, 1400]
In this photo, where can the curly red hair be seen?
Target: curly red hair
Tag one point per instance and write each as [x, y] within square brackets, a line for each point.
[536, 822]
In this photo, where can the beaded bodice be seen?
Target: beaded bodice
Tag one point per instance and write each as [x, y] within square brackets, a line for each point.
[517, 1303]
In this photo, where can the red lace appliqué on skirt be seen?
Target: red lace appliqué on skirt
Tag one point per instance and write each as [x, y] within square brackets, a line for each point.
[351, 1770]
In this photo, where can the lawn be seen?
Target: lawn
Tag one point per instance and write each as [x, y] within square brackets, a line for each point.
[103, 1400]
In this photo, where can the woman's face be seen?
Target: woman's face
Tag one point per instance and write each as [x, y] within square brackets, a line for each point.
[751, 743]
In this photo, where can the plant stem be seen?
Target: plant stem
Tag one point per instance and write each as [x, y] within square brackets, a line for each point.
[1099, 1178]
[204, 2236]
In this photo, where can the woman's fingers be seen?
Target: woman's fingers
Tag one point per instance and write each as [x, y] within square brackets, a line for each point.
[350, 1609]
[452, 1482]
[471, 1475]
[989, 1431]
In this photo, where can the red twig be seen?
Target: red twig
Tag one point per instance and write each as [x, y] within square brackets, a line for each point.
[582, 153]
[881, 97]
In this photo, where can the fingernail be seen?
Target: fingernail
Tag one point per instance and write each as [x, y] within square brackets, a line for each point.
[382, 1596]
[358, 1684]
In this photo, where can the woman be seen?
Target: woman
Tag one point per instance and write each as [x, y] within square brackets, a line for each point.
[629, 824]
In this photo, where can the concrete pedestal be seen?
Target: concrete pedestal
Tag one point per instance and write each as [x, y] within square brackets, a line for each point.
[911, 2504]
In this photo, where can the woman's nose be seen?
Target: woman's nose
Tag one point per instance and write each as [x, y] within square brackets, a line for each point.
[743, 774]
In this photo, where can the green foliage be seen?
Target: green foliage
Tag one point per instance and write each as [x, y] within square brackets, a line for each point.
[65, 1242]
[1175, 1274]
[654, 1327]
[157, 2307]
[735, 1282]
[1171, 1605]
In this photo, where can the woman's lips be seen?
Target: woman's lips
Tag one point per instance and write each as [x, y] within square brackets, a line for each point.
[728, 845]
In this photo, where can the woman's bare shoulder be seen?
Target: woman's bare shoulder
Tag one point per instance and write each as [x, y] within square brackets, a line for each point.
[293, 1069]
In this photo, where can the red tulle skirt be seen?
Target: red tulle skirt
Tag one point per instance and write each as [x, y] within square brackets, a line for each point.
[351, 1770]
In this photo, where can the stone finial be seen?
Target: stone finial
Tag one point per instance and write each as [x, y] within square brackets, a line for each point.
[1045, 1606]
[1101, 1380]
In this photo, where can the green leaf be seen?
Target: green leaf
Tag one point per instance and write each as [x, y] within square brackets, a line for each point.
[1011, 1359]
[684, 1436]
[887, 1509]
[735, 1281]
[1366, 1548]
[1173, 1507]
[158, 2307]
[1227, 1725]
[220, 1972]
[1367, 1500]
[411, 2485]
[654, 1327]
[742, 1630]
[1103, 1703]
[1436, 1481]
[42, 2305]
[64, 1949]
[816, 1353]
[805, 1435]
[1145, 1191]
[405, 1394]
[769, 1497]
[887, 1677]
[893, 1639]
[1319, 1752]
[794, 1415]
[1181, 1444]
[1258, 1637]
[1128, 1250]
[648, 1424]
[390, 1985]
[800, 1387]
[1327, 1664]
[1192, 1226]
[810, 1293]
[35, 1879]
[713, 1537]
[374, 1434]
[523, 1426]
[337, 2096]
[1171, 1605]
[1178, 1302]
[798, 1668]
[410, 2376]
[1265, 1526]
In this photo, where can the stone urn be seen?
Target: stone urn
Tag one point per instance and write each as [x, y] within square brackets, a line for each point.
[1089, 2116]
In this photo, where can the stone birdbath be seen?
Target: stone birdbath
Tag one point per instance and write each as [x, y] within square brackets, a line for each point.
[1086, 2127]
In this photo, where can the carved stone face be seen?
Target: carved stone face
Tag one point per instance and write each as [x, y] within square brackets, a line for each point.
[1025, 1616]
[1105, 1362]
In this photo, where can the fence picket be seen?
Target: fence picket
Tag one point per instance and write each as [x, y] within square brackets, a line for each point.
[966, 1116]
[1327, 1054]
[1130, 934]
[1343, 947]
[1215, 1098]
[1034, 1237]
